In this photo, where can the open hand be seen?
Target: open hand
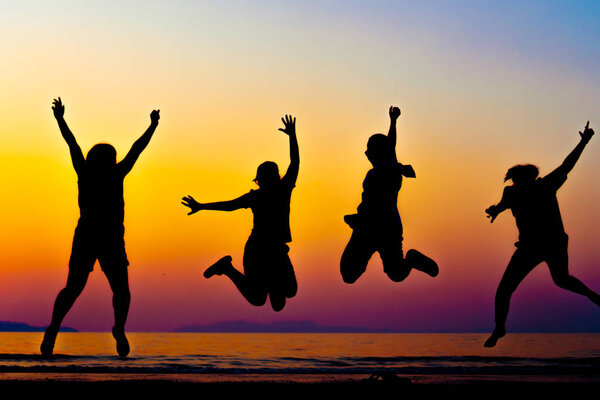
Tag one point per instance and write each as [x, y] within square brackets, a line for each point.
[190, 202]
[290, 125]
[155, 116]
[394, 113]
[492, 212]
[587, 132]
[58, 108]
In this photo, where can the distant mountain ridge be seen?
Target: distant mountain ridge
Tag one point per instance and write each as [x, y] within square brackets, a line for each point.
[9, 326]
[241, 326]
[275, 327]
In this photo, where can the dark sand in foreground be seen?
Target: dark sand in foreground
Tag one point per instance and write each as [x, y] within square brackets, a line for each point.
[277, 386]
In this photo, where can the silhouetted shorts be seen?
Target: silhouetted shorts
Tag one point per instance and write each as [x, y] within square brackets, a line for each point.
[90, 245]
[268, 265]
[528, 255]
[364, 242]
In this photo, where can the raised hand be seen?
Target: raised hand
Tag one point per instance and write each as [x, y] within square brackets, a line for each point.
[290, 125]
[587, 132]
[155, 116]
[394, 113]
[58, 108]
[190, 202]
[492, 212]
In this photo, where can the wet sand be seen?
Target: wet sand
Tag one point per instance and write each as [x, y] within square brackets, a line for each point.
[68, 386]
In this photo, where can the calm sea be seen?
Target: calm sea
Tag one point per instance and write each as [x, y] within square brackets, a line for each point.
[253, 356]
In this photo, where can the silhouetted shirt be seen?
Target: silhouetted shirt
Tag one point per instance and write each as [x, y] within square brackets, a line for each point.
[380, 194]
[100, 199]
[271, 210]
[535, 208]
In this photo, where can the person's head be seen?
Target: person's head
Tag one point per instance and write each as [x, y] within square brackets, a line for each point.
[101, 156]
[522, 174]
[379, 149]
[267, 174]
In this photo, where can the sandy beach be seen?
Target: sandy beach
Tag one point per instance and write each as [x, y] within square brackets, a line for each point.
[276, 387]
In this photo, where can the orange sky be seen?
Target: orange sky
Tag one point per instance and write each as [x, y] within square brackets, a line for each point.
[480, 88]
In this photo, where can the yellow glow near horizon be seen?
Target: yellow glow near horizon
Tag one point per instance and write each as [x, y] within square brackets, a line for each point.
[222, 81]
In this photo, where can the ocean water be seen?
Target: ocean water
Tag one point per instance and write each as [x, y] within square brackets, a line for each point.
[317, 357]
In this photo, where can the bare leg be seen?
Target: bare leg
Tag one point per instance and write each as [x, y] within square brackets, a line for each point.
[288, 283]
[119, 283]
[394, 264]
[252, 291]
[521, 264]
[283, 285]
[356, 256]
[559, 269]
[76, 281]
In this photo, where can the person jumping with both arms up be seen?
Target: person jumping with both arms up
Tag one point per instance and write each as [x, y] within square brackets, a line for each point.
[100, 232]
[542, 237]
[377, 226]
[268, 270]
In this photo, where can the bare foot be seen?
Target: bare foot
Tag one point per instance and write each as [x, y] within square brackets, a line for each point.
[421, 262]
[497, 334]
[122, 343]
[47, 346]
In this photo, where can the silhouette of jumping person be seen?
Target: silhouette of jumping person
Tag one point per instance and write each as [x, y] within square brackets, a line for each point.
[99, 233]
[377, 226]
[542, 237]
[268, 270]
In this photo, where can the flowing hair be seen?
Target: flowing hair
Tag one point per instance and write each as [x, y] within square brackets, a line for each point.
[522, 172]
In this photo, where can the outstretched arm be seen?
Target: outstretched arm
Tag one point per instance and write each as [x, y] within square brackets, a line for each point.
[230, 205]
[290, 129]
[493, 211]
[76, 155]
[394, 114]
[127, 163]
[572, 158]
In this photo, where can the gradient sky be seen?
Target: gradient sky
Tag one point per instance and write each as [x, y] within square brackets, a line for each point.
[482, 86]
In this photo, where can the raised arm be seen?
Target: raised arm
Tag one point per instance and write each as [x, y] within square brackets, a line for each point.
[574, 155]
[231, 205]
[76, 155]
[127, 163]
[290, 129]
[394, 114]
[493, 211]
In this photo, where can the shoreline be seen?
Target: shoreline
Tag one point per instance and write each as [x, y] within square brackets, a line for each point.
[296, 379]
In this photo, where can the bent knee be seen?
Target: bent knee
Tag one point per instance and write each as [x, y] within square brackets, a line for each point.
[350, 278]
[277, 303]
[291, 291]
[73, 288]
[257, 302]
[504, 292]
[351, 271]
[257, 299]
[562, 281]
[397, 276]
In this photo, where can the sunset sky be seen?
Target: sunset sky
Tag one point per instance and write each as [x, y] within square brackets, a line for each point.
[482, 85]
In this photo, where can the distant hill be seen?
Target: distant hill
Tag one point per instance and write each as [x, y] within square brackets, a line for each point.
[275, 327]
[8, 326]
